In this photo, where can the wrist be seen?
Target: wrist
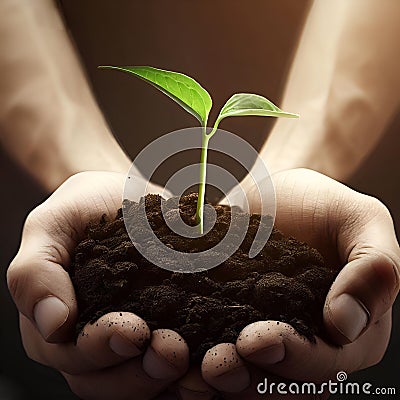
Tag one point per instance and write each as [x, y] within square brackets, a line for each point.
[302, 143]
[72, 143]
[88, 147]
[332, 140]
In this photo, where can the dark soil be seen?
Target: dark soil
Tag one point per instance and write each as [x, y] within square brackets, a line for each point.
[288, 281]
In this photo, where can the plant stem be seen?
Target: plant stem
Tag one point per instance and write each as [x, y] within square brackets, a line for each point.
[202, 182]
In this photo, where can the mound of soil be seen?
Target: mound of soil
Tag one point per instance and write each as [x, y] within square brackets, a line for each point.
[287, 281]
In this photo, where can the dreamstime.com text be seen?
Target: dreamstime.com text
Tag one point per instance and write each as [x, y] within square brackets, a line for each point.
[340, 386]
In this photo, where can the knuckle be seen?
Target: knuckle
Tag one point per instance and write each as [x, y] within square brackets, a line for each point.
[389, 260]
[16, 280]
[384, 269]
[36, 220]
[383, 259]
[375, 207]
[357, 209]
[34, 217]
[77, 178]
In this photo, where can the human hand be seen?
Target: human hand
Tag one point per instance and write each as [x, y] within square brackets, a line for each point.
[355, 233]
[110, 360]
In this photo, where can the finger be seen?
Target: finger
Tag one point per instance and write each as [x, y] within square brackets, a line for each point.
[260, 383]
[360, 230]
[114, 338]
[224, 369]
[193, 387]
[37, 277]
[165, 360]
[368, 284]
[167, 357]
[42, 290]
[279, 349]
[250, 392]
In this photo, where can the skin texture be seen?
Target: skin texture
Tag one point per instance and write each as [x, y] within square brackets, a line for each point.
[51, 125]
[346, 222]
[355, 233]
[344, 93]
[92, 369]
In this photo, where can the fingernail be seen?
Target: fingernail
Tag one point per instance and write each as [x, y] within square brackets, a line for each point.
[188, 394]
[269, 355]
[157, 367]
[123, 346]
[348, 315]
[234, 381]
[50, 314]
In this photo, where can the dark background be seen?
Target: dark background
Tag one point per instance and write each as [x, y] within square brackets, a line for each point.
[229, 47]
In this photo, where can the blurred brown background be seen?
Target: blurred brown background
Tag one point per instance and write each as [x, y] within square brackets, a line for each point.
[228, 46]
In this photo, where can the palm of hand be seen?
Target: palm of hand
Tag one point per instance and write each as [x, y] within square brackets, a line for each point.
[343, 225]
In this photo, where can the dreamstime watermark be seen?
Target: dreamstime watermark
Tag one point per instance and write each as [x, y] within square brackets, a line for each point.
[338, 386]
[152, 157]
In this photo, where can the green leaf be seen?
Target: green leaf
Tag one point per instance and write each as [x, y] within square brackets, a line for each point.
[250, 104]
[179, 87]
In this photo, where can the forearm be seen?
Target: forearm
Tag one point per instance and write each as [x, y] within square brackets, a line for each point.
[344, 83]
[49, 120]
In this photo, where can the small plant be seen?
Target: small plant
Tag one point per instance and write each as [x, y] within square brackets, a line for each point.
[197, 101]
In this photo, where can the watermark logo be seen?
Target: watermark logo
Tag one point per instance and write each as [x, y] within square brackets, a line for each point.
[341, 376]
[224, 142]
[339, 386]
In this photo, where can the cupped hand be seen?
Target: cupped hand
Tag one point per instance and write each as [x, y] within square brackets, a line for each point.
[355, 233]
[111, 358]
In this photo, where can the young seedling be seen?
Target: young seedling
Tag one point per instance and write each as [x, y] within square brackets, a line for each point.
[197, 101]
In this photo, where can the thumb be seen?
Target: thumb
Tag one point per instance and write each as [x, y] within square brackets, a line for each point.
[38, 283]
[368, 284]
[37, 277]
